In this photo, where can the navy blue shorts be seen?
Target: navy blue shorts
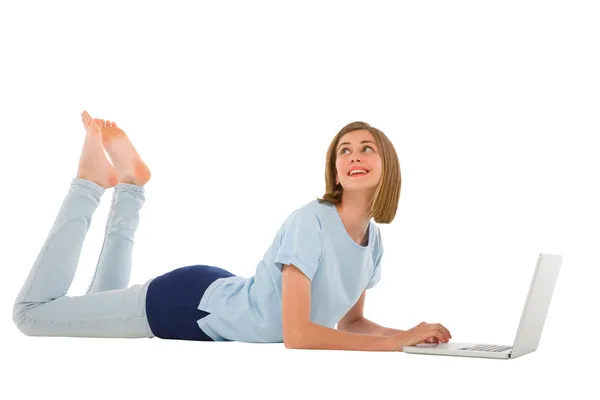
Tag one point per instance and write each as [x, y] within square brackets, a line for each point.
[172, 301]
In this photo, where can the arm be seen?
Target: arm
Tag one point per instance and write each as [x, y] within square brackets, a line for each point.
[354, 321]
[365, 326]
[300, 333]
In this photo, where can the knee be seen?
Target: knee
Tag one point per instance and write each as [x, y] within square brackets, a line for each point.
[22, 320]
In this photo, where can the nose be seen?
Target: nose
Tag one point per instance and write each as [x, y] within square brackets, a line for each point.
[355, 157]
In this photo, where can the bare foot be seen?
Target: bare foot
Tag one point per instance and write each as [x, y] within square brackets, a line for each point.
[128, 164]
[93, 164]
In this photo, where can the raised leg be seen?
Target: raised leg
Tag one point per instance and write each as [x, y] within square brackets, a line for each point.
[114, 263]
[42, 307]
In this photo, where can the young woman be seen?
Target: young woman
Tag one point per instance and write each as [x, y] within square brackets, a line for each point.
[314, 275]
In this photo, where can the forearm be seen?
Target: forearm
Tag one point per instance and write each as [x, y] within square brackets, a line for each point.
[367, 327]
[319, 337]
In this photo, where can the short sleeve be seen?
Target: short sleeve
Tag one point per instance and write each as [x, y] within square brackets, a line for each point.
[376, 275]
[301, 243]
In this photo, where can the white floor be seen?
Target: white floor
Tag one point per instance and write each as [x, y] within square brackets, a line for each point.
[74, 368]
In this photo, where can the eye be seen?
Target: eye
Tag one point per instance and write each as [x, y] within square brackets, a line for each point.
[345, 148]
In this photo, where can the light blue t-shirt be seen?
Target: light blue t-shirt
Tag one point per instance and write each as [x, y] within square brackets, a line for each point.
[314, 239]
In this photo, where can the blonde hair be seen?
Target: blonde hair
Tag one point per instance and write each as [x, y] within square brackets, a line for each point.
[384, 203]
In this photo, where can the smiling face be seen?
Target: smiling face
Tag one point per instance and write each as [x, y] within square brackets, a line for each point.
[361, 145]
[358, 150]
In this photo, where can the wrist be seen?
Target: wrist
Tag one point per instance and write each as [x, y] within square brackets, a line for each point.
[391, 332]
[393, 342]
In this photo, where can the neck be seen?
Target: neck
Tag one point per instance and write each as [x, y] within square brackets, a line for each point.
[353, 212]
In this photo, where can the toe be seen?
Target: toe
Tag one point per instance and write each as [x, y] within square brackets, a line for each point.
[108, 124]
[115, 125]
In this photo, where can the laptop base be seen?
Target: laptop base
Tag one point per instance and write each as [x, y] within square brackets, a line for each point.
[454, 349]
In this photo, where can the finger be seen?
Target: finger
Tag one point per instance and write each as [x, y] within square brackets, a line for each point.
[432, 334]
[440, 336]
[444, 330]
[444, 338]
[425, 327]
[437, 328]
[447, 332]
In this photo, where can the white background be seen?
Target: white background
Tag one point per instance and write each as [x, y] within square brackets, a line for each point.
[491, 106]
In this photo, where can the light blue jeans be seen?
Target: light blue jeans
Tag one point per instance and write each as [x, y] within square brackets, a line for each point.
[109, 308]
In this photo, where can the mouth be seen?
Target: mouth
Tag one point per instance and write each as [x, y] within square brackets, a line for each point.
[358, 174]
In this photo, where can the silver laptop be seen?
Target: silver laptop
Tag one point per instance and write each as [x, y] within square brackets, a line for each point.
[530, 327]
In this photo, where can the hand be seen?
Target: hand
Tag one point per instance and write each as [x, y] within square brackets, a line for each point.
[422, 333]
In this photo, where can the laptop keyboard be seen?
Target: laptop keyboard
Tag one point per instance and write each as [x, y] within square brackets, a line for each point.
[486, 347]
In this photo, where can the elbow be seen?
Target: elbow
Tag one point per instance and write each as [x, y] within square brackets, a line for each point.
[289, 343]
[294, 337]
